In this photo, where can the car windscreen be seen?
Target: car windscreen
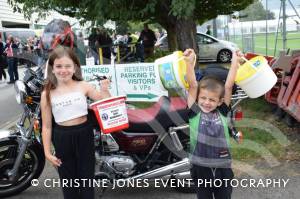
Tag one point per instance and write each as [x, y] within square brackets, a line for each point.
[202, 39]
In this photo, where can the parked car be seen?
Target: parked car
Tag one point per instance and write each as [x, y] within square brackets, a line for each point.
[210, 48]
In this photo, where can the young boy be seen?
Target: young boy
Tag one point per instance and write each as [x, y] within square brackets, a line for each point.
[210, 156]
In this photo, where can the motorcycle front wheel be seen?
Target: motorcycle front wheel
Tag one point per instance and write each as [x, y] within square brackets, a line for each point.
[30, 168]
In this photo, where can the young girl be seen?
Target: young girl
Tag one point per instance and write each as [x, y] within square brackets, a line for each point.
[64, 97]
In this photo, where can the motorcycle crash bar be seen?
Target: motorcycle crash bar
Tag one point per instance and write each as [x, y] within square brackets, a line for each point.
[178, 170]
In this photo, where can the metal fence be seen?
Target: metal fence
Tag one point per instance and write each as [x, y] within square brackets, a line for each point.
[266, 37]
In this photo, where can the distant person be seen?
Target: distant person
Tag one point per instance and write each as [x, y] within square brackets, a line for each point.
[2, 59]
[29, 49]
[19, 55]
[208, 30]
[105, 42]
[161, 33]
[128, 38]
[11, 51]
[148, 38]
[19, 44]
[92, 39]
[39, 51]
[81, 48]
[80, 36]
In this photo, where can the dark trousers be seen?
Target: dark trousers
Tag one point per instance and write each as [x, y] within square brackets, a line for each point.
[148, 51]
[74, 145]
[140, 52]
[201, 174]
[12, 69]
[2, 72]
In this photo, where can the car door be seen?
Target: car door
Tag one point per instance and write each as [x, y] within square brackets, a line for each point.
[207, 47]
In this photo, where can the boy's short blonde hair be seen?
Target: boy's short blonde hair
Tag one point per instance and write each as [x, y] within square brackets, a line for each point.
[213, 84]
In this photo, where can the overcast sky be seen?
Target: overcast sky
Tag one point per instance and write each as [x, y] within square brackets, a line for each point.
[275, 4]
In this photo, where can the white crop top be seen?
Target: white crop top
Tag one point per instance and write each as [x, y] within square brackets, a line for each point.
[69, 106]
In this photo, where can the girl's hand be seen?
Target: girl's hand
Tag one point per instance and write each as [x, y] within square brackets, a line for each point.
[54, 160]
[190, 57]
[104, 84]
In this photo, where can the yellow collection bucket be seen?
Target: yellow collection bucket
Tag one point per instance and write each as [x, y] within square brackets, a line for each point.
[250, 67]
[172, 71]
[255, 77]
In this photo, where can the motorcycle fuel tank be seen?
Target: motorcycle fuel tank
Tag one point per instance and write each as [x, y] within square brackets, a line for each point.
[135, 142]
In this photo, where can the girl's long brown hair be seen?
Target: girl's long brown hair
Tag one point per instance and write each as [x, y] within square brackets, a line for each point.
[51, 81]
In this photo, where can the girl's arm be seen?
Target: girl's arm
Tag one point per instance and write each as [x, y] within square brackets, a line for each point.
[190, 59]
[47, 130]
[231, 77]
[96, 95]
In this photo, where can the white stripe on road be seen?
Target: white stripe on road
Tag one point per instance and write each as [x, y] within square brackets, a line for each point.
[9, 124]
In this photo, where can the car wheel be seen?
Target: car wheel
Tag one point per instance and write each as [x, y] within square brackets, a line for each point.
[224, 56]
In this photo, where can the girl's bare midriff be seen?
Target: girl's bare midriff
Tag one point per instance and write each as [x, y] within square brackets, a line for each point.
[74, 122]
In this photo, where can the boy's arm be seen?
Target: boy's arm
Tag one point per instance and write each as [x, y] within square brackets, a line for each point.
[231, 77]
[190, 59]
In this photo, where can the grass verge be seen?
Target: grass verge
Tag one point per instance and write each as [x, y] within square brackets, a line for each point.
[264, 136]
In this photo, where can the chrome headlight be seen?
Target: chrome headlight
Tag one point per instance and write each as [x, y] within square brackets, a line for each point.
[21, 92]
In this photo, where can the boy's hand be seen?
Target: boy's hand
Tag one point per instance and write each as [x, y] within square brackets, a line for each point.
[190, 57]
[237, 57]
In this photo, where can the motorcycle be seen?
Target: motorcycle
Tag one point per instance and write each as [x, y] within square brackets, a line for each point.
[21, 152]
[154, 146]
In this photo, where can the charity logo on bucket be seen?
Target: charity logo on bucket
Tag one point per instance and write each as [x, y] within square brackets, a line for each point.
[257, 63]
[104, 116]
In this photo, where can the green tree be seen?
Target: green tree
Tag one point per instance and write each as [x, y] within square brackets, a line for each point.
[122, 27]
[178, 17]
[256, 11]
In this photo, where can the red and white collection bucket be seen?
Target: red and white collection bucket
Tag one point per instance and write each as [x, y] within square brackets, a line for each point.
[111, 113]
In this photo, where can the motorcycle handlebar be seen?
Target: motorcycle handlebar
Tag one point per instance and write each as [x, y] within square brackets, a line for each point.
[99, 78]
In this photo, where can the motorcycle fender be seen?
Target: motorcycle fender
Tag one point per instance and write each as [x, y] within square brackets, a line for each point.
[6, 135]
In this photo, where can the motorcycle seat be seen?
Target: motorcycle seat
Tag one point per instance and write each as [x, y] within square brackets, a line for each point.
[159, 117]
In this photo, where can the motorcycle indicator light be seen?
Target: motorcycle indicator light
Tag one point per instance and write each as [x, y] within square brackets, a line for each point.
[237, 135]
[240, 137]
[238, 116]
[36, 125]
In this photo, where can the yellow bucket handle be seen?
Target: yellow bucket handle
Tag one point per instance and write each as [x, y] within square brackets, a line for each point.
[249, 62]
[181, 58]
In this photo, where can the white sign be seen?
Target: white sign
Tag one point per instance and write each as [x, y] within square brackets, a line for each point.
[90, 61]
[88, 73]
[139, 82]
